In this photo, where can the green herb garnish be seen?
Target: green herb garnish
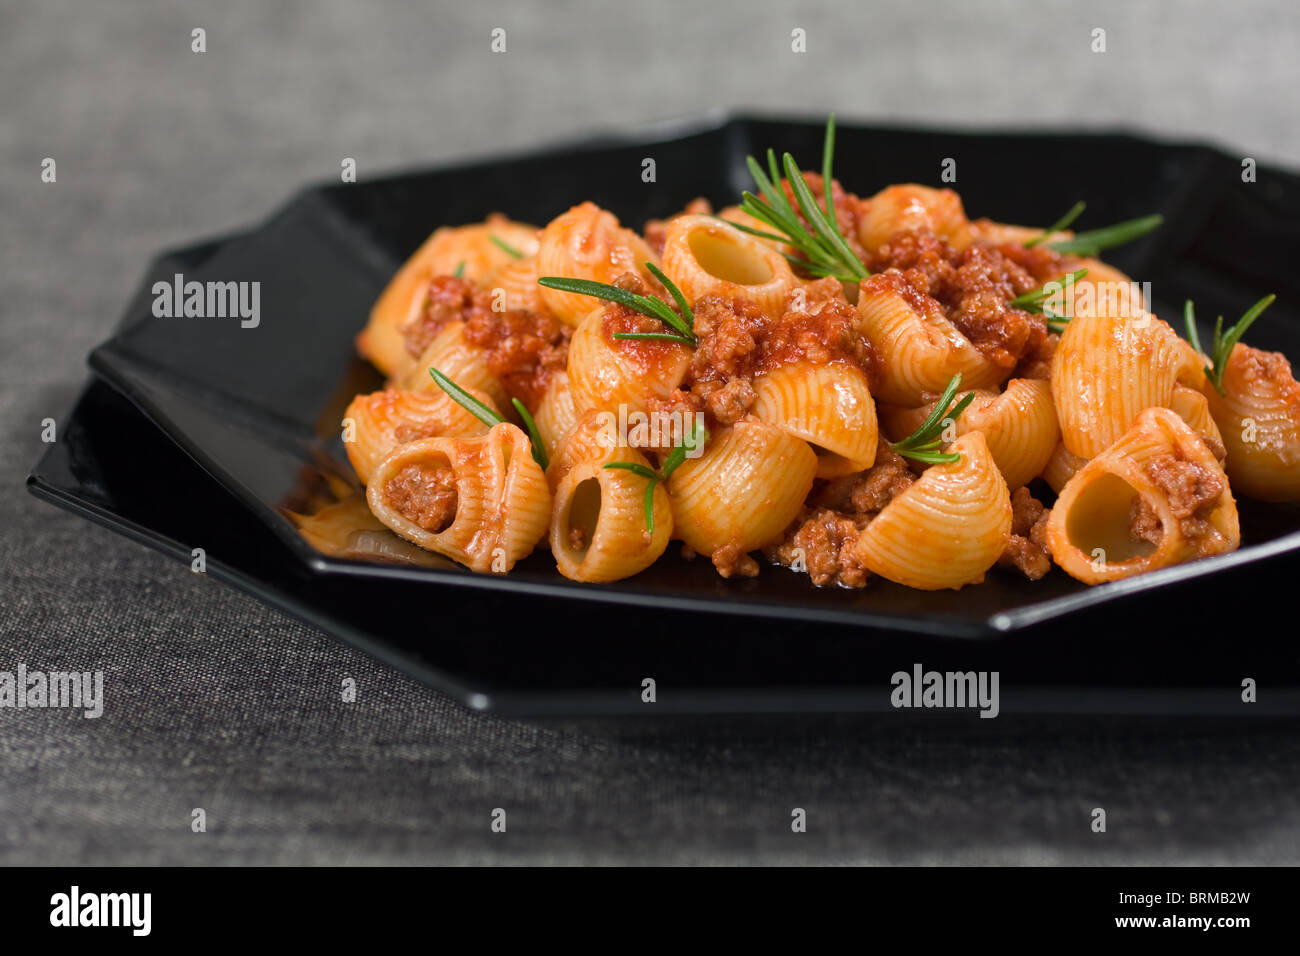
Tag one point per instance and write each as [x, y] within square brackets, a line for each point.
[1035, 300]
[699, 434]
[489, 418]
[505, 247]
[460, 269]
[682, 325]
[1224, 342]
[1063, 223]
[924, 443]
[823, 249]
[1093, 241]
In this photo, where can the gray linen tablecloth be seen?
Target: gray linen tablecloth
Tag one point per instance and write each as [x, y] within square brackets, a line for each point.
[215, 701]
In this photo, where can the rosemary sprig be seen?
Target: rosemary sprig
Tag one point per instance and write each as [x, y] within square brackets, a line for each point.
[1063, 223]
[819, 240]
[924, 443]
[1035, 300]
[699, 434]
[1093, 241]
[1189, 320]
[1224, 342]
[505, 247]
[489, 418]
[682, 325]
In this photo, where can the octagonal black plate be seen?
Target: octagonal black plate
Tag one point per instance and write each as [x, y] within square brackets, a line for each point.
[259, 408]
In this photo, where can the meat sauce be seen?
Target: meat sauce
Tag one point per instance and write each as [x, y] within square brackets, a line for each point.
[524, 348]
[1193, 492]
[972, 287]
[424, 493]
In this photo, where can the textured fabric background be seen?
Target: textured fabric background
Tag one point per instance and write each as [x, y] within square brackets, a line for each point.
[217, 702]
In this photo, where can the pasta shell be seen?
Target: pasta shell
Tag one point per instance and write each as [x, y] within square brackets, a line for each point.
[909, 207]
[598, 524]
[605, 372]
[1099, 529]
[555, 414]
[1019, 425]
[1061, 467]
[1259, 414]
[828, 406]
[468, 248]
[744, 490]
[921, 348]
[703, 256]
[381, 421]
[1110, 366]
[501, 508]
[948, 528]
[588, 243]
[456, 357]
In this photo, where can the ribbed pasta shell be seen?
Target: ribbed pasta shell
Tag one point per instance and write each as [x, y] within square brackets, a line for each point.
[518, 280]
[744, 490]
[1061, 467]
[555, 415]
[617, 542]
[1194, 408]
[921, 351]
[442, 253]
[704, 256]
[605, 373]
[592, 436]
[452, 354]
[1019, 425]
[1259, 416]
[1089, 530]
[908, 207]
[503, 503]
[1109, 367]
[828, 406]
[587, 242]
[384, 420]
[949, 527]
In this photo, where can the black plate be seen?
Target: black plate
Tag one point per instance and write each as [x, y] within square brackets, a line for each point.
[260, 408]
[1180, 651]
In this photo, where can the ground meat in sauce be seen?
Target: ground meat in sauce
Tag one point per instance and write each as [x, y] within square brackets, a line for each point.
[523, 348]
[825, 534]
[1193, 490]
[1027, 549]
[972, 287]
[825, 542]
[577, 539]
[731, 562]
[738, 342]
[424, 494]
[865, 494]
[656, 230]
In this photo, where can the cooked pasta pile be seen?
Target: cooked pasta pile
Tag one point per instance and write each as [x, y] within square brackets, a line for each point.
[890, 426]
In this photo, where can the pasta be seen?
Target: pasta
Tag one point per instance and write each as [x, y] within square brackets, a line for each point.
[1259, 414]
[854, 388]
[948, 528]
[469, 250]
[1154, 498]
[481, 501]
[587, 242]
